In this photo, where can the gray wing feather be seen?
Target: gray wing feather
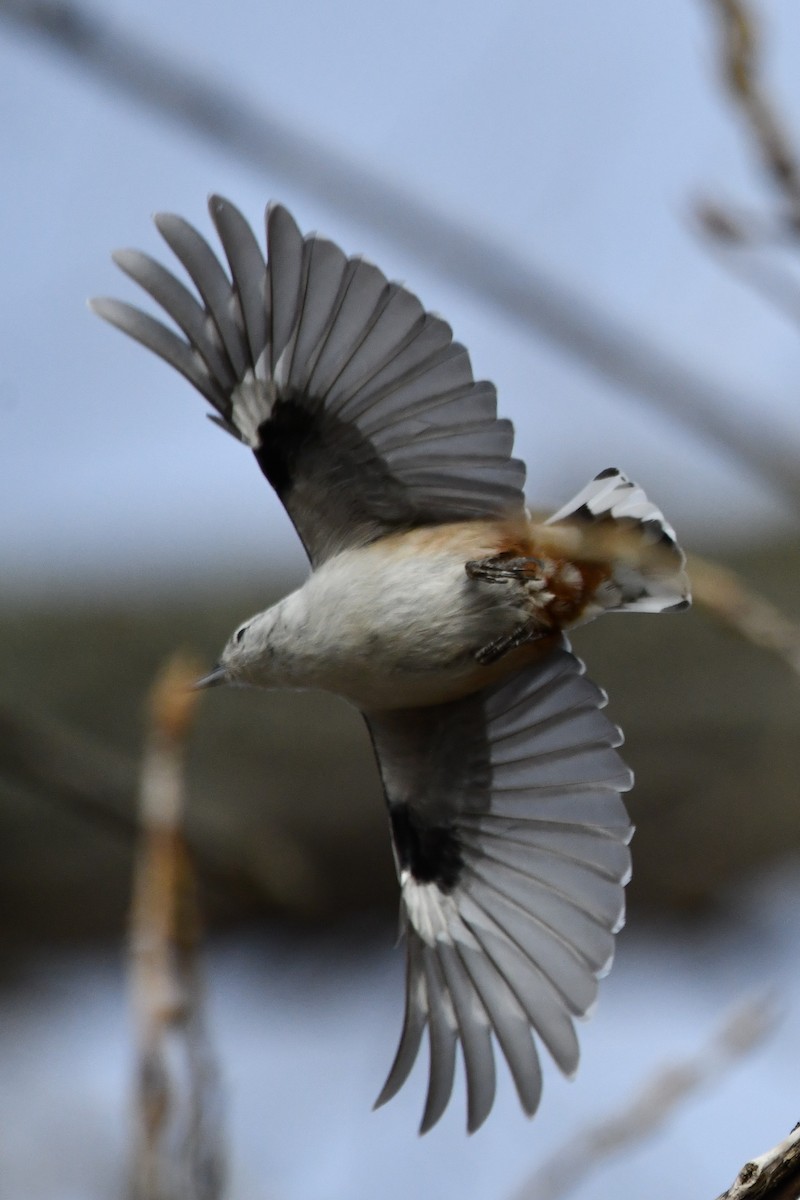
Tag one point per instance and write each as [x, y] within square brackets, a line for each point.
[361, 410]
[557, 960]
[416, 353]
[362, 297]
[248, 271]
[577, 882]
[414, 1022]
[541, 1002]
[325, 267]
[474, 1034]
[206, 272]
[473, 403]
[395, 318]
[180, 304]
[511, 844]
[286, 271]
[510, 1024]
[163, 342]
[590, 940]
[590, 847]
[443, 1037]
[598, 809]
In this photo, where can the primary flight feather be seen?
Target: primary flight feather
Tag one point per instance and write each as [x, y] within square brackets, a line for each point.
[437, 606]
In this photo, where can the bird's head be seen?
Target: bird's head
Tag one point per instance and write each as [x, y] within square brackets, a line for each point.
[247, 656]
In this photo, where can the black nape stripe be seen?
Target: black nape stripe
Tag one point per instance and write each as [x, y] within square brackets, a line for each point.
[430, 852]
[609, 471]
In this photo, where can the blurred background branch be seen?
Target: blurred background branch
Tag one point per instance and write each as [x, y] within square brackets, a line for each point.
[741, 61]
[521, 291]
[743, 239]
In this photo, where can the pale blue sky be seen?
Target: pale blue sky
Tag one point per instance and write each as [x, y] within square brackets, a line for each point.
[577, 134]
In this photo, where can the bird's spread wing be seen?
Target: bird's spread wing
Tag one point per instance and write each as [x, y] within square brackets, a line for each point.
[511, 844]
[360, 408]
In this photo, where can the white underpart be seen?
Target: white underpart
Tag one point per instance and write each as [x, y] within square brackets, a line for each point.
[384, 630]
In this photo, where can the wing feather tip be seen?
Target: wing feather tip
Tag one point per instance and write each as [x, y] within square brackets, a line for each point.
[427, 1123]
[385, 1095]
[393, 1083]
[474, 1123]
[168, 223]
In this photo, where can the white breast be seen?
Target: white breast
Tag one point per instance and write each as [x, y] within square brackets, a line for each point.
[388, 630]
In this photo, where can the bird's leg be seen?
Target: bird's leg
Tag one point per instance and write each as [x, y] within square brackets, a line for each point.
[507, 567]
[510, 568]
[528, 631]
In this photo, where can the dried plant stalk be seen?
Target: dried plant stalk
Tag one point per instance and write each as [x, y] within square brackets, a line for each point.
[735, 233]
[178, 1151]
[740, 58]
[728, 598]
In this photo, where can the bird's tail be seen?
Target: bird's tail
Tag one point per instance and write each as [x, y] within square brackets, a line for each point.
[611, 521]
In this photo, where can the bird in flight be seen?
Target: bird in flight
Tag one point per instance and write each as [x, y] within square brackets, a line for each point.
[438, 606]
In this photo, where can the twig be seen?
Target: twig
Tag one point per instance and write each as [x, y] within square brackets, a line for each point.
[655, 1103]
[770, 280]
[772, 1176]
[491, 271]
[725, 595]
[178, 1152]
[731, 233]
[740, 51]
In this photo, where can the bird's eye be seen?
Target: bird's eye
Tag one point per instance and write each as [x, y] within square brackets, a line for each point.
[239, 634]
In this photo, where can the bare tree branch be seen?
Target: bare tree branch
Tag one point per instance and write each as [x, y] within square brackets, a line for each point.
[772, 1176]
[522, 292]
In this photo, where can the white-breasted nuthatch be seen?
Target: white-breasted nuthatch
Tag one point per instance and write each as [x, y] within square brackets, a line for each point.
[437, 605]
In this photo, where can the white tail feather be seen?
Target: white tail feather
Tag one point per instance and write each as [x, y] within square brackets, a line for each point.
[648, 573]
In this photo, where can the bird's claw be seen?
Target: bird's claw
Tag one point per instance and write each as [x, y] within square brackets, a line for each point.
[528, 631]
[504, 568]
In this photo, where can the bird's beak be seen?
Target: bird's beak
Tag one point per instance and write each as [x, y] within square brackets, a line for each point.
[213, 679]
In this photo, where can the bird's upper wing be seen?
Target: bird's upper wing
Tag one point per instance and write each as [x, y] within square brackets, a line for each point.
[360, 408]
[510, 840]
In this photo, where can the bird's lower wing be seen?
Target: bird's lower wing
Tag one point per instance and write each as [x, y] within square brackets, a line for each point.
[360, 408]
[511, 844]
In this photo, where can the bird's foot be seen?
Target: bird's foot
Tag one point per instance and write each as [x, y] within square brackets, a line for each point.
[528, 631]
[506, 568]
